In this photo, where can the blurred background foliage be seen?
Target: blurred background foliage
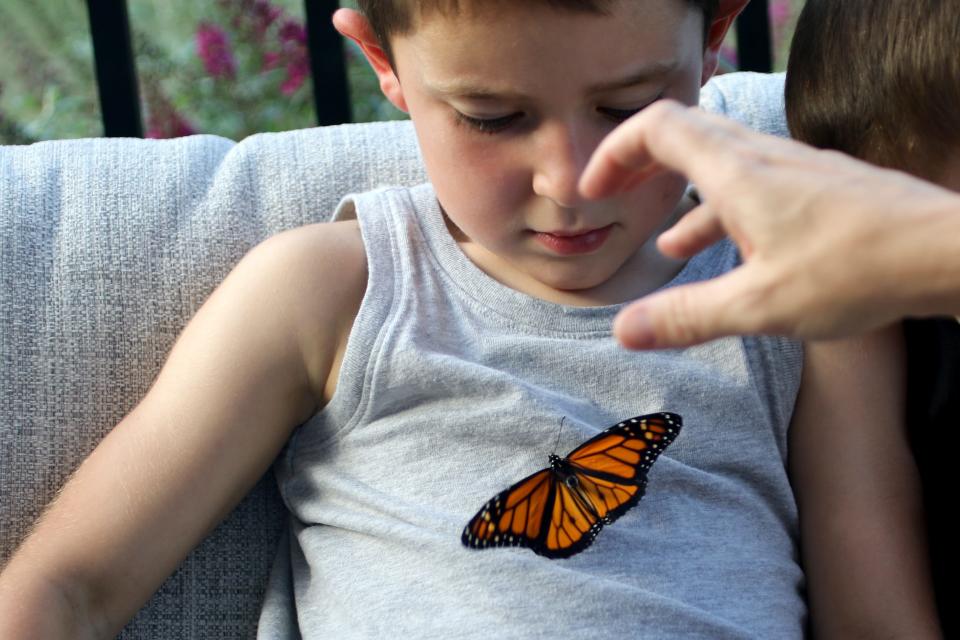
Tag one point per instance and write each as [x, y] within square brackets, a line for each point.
[226, 67]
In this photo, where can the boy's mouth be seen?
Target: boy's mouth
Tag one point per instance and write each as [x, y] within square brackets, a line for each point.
[573, 243]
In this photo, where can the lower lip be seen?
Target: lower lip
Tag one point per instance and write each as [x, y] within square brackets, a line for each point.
[574, 245]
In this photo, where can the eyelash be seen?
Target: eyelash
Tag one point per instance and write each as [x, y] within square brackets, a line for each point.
[490, 126]
[487, 125]
[619, 115]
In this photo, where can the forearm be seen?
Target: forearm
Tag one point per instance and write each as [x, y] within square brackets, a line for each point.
[101, 547]
[862, 536]
[34, 606]
[867, 568]
[927, 272]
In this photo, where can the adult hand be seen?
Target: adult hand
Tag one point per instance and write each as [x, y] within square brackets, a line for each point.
[831, 246]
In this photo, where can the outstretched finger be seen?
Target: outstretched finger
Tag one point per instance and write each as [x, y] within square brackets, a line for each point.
[665, 135]
[690, 314]
[694, 232]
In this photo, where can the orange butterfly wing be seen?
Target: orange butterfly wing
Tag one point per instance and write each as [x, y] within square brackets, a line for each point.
[558, 512]
[514, 516]
[612, 466]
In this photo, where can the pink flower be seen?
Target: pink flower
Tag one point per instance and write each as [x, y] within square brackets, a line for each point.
[163, 120]
[271, 60]
[292, 56]
[167, 123]
[265, 14]
[253, 21]
[780, 12]
[213, 48]
[297, 72]
[292, 31]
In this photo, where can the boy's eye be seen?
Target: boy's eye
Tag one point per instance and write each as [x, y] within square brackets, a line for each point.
[619, 115]
[488, 125]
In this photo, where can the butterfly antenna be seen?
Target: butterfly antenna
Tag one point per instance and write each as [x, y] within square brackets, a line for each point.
[559, 431]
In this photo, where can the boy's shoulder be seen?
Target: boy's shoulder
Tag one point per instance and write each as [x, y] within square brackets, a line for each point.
[304, 241]
[316, 257]
[320, 272]
[324, 265]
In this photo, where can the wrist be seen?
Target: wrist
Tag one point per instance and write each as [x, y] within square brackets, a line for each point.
[34, 607]
[927, 250]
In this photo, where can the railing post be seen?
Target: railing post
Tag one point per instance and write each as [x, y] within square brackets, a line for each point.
[754, 44]
[116, 74]
[328, 64]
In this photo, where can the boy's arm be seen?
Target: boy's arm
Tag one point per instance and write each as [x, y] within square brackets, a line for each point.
[861, 520]
[251, 365]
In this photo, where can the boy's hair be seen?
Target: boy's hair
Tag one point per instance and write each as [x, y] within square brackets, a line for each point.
[398, 17]
[878, 80]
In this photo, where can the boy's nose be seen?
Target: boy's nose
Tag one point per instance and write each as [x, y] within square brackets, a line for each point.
[561, 154]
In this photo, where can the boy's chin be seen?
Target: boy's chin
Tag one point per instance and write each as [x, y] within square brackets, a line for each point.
[578, 285]
[578, 282]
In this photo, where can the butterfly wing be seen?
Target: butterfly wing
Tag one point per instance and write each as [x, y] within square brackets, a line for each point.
[514, 517]
[602, 479]
[539, 513]
[611, 468]
[572, 527]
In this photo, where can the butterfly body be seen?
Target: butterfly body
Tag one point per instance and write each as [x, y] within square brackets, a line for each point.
[559, 511]
[567, 474]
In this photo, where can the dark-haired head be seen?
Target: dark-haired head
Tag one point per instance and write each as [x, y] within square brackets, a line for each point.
[878, 80]
[398, 17]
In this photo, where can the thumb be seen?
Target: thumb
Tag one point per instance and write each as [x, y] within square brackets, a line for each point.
[688, 314]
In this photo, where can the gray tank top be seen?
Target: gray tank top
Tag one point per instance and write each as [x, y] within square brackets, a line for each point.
[453, 387]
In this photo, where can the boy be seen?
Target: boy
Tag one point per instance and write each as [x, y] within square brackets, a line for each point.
[467, 320]
[894, 103]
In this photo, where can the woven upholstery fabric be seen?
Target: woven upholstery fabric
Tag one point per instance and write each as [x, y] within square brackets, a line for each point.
[107, 248]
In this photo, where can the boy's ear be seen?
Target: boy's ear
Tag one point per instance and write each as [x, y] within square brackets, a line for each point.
[727, 12]
[354, 25]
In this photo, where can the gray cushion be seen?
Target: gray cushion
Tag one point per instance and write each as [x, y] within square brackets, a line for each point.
[107, 247]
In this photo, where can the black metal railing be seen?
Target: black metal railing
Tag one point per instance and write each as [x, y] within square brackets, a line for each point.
[328, 65]
[117, 77]
[116, 73]
[754, 42]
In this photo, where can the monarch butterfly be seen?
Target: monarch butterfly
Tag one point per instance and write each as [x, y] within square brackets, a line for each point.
[558, 511]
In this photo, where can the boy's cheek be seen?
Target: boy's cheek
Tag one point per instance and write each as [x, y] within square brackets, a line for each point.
[660, 194]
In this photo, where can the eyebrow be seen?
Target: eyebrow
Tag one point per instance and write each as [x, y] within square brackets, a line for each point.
[464, 89]
[645, 75]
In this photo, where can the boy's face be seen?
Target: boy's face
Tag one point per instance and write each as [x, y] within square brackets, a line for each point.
[508, 106]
